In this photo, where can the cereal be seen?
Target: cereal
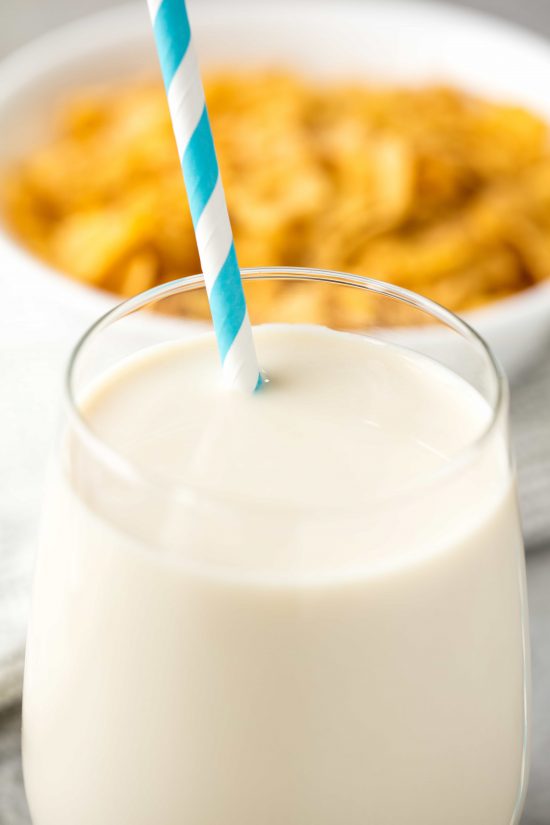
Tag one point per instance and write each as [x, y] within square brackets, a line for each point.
[428, 188]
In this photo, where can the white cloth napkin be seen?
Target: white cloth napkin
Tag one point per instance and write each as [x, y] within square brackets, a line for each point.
[36, 335]
[37, 331]
[531, 439]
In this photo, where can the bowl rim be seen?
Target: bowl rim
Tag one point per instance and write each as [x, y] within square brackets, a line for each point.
[23, 66]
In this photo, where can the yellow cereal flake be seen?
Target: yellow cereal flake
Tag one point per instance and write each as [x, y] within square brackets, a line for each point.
[429, 188]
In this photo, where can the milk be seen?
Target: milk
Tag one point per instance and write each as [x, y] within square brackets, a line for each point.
[301, 607]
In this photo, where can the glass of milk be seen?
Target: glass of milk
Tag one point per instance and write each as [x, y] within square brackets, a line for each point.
[304, 606]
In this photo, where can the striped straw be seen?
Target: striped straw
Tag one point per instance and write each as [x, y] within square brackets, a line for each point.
[195, 144]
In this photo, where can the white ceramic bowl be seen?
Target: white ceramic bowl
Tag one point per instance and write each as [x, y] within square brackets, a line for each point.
[383, 40]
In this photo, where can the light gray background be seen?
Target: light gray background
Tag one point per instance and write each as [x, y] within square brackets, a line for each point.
[20, 20]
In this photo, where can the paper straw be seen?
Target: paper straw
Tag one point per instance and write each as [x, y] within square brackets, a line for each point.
[195, 144]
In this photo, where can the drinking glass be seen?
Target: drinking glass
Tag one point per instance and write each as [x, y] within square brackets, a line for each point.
[164, 687]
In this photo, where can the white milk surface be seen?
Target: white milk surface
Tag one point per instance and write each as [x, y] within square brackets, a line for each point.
[304, 610]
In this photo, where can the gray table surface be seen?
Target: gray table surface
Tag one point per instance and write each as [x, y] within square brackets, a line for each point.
[19, 22]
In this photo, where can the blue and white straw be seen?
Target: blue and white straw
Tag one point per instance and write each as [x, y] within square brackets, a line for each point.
[195, 144]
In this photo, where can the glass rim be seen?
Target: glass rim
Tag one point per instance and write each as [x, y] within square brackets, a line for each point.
[125, 467]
